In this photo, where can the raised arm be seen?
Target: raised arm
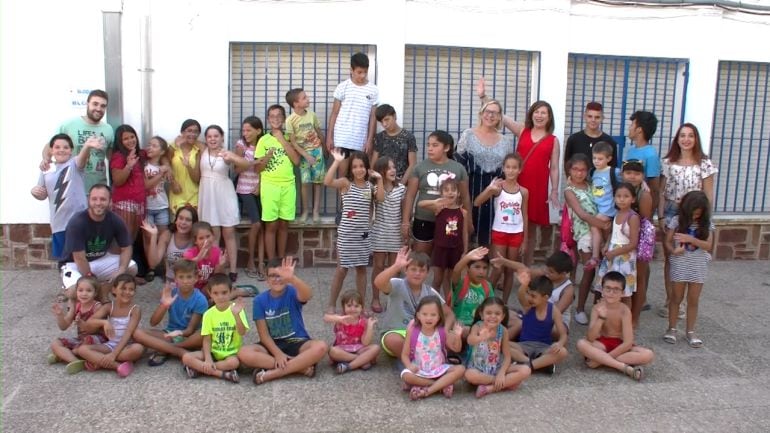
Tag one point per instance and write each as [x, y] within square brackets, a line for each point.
[508, 122]
[382, 281]
[341, 183]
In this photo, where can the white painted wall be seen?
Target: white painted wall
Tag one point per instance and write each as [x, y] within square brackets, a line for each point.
[47, 55]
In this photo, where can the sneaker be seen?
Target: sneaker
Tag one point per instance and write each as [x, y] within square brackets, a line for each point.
[231, 375]
[125, 369]
[75, 366]
[581, 318]
[550, 370]
[51, 358]
[233, 276]
[191, 373]
[342, 367]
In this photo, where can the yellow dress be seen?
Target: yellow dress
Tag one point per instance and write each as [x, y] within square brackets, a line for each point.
[189, 194]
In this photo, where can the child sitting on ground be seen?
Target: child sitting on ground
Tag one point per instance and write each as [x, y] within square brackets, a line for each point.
[610, 337]
[471, 289]
[224, 326]
[536, 347]
[86, 290]
[185, 305]
[403, 296]
[353, 334]
[284, 345]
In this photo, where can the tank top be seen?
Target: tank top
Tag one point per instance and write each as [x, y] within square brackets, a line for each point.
[533, 329]
[449, 228]
[508, 217]
[174, 253]
[619, 236]
[119, 324]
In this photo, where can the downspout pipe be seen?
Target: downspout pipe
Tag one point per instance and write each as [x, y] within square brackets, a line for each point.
[724, 4]
[145, 69]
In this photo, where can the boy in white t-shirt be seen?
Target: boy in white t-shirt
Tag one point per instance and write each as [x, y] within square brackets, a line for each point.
[353, 123]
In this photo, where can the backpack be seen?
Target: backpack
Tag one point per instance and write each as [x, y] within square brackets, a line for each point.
[613, 176]
[464, 290]
[416, 333]
[568, 243]
[645, 249]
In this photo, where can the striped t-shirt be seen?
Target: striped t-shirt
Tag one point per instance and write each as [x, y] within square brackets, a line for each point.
[352, 124]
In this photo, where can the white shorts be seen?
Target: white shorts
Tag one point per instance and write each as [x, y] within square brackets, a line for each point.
[584, 243]
[104, 268]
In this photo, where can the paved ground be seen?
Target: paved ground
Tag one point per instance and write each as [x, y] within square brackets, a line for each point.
[723, 387]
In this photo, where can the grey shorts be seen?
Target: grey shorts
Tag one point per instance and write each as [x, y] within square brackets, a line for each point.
[533, 349]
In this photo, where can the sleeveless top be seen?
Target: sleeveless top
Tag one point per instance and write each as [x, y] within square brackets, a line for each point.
[535, 174]
[347, 336]
[533, 329]
[508, 217]
[449, 228]
[189, 192]
[619, 235]
[119, 324]
[174, 253]
[579, 227]
[487, 355]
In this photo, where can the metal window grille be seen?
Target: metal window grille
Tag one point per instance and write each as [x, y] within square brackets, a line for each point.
[440, 86]
[262, 73]
[624, 85]
[740, 140]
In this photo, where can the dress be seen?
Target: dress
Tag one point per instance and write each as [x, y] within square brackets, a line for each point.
[354, 245]
[535, 175]
[486, 356]
[429, 356]
[386, 230]
[448, 238]
[189, 194]
[483, 163]
[624, 263]
[692, 266]
[347, 336]
[217, 202]
[581, 228]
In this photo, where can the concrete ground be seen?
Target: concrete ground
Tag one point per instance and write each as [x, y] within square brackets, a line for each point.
[722, 387]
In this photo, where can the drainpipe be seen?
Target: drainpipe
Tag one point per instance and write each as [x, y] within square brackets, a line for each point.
[740, 6]
[145, 69]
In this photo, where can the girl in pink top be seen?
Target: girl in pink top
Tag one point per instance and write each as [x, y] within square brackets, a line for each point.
[353, 334]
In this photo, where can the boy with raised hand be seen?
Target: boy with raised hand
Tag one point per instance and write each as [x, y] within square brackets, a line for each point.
[304, 131]
[610, 337]
[352, 122]
[224, 326]
[284, 345]
[185, 306]
[403, 296]
[536, 346]
[470, 290]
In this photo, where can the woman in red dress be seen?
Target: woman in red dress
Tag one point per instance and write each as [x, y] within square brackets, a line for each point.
[539, 149]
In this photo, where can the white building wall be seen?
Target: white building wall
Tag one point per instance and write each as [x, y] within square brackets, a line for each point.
[47, 55]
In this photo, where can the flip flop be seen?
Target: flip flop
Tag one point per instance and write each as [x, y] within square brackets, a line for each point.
[157, 359]
[251, 273]
[261, 275]
[250, 290]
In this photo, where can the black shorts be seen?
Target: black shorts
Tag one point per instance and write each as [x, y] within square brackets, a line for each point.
[422, 231]
[251, 205]
[290, 346]
[345, 151]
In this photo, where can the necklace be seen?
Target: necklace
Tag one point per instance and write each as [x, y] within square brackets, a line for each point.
[211, 163]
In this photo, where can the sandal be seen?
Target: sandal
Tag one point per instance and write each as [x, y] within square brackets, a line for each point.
[481, 391]
[310, 372]
[448, 391]
[259, 376]
[157, 359]
[260, 275]
[342, 367]
[249, 290]
[670, 336]
[418, 392]
[75, 366]
[591, 264]
[634, 372]
[231, 375]
[693, 340]
[251, 273]
[376, 307]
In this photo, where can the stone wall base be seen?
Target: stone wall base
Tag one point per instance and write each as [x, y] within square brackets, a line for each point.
[28, 246]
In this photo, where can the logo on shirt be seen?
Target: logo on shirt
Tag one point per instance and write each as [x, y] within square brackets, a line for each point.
[95, 247]
[435, 180]
[451, 226]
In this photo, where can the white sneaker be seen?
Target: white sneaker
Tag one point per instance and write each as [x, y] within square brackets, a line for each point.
[581, 318]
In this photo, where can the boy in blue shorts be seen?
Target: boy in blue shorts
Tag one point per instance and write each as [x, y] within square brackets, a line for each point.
[284, 345]
[185, 306]
[536, 347]
[304, 132]
[403, 296]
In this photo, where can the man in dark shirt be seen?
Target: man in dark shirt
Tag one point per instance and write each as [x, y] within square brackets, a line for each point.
[583, 141]
[89, 239]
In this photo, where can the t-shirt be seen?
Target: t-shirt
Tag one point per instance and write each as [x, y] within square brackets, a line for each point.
[301, 126]
[580, 142]
[181, 310]
[282, 314]
[157, 198]
[94, 237]
[465, 308]
[681, 179]
[206, 265]
[279, 168]
[352, 124]
[397, 147]
[430, 175]
[220, 325]
[79, 130]
[402, 304]
[649, 157]
[601, 189]
[66, 195]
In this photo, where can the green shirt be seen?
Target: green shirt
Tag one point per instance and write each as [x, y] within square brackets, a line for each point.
[279, 168]
[79, 130]
[465, 308]
[220, 325]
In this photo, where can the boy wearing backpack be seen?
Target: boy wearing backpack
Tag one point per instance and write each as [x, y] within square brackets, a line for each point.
[470, 290]
[604, 178]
